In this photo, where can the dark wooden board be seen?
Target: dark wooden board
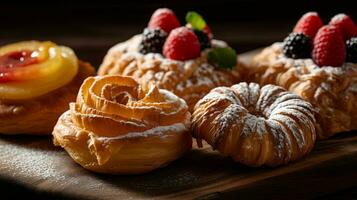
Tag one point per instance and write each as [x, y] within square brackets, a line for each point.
[201, 173]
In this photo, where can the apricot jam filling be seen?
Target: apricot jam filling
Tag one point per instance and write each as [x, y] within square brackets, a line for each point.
[32, 68]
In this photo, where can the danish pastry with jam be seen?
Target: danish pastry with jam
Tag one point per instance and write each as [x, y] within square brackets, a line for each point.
[37, 82]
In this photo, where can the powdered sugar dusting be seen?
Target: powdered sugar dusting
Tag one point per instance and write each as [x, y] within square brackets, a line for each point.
[36, 163]
[188, 83]
[339, 17]
[282, 98]
[172, 97]
[278, 115]
[291, 125]
[269, 94]
[221, 93]
[253, 126]
[177, 128]
[309, 14]
[32, 162]
[229, 116]
[309, 63]
[242, 91]
[189, 79]
[254, 93]
[280, 140]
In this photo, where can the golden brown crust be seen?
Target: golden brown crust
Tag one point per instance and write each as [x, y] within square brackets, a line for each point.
[190, 80]
[39, 115]
[255, 126]
[332, 90]
[117, 127]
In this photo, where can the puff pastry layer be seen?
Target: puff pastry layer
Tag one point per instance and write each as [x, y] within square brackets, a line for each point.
[332, 90]
[255, 126]
[190, 80]
[118, 127]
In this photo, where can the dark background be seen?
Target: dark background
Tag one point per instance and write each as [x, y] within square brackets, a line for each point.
[90, 28]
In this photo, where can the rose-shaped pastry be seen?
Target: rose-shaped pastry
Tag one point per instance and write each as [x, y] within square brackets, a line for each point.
[117, 127]
[37, 81]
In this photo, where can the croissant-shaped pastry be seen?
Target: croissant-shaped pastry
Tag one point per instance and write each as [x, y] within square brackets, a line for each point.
[255, 126]
[116, 126]
[37, 82]
[332, 90]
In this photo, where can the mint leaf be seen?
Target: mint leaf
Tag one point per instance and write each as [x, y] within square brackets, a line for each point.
[223, 57]
[196, 20]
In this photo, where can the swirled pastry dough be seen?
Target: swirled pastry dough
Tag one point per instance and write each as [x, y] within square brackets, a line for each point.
[116, 126]
[255, 126]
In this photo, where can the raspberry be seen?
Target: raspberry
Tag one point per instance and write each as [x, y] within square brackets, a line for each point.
[165, 19]
[309, 24]
[351, 47]
[152, 41]
[345, 24]
[205, 42]
[329, 47]
[297, 45]
[182, 44]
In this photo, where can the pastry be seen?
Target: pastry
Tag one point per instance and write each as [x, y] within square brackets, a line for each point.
[319, 63]
[37, 81]
[255, 126]
[184, 60]
[118, 127]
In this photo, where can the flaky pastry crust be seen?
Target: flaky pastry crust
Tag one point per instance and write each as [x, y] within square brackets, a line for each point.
[190, 80]
[255, 126]
[118, 127]
[39, 115]
[332, 90]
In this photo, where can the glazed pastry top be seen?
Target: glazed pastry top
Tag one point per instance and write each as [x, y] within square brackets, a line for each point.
[32, 68]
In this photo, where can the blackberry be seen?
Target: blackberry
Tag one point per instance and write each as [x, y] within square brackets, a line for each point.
[152, 41]
[351, 48]
[205, 42]
[297, 45]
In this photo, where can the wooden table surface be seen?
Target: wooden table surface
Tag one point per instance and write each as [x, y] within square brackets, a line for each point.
[200, 174]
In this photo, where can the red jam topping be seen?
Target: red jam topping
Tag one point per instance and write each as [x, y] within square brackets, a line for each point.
[12, 60]
[17, 59]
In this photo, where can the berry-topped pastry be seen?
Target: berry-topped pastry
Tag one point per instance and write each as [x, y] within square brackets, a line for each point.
[37, 82]
[319, 63]
[183, 59]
